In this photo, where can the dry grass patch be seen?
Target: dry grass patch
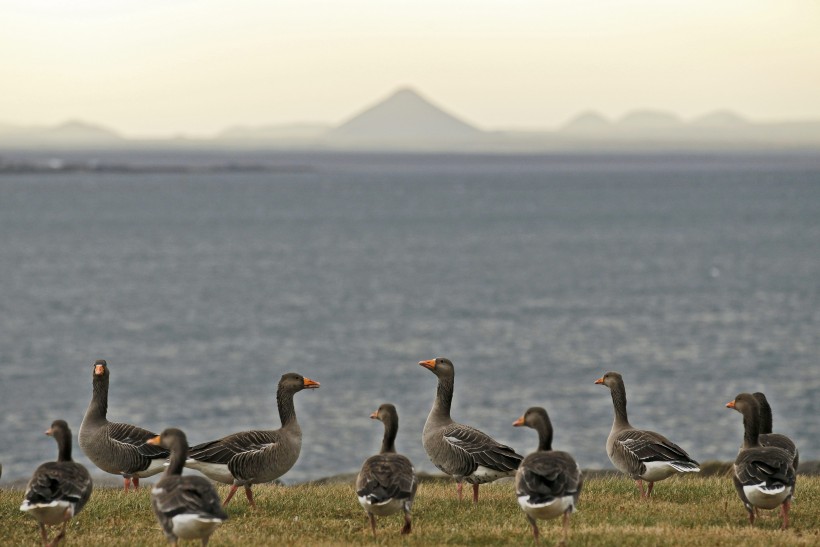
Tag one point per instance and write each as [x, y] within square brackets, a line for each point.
[685, 511]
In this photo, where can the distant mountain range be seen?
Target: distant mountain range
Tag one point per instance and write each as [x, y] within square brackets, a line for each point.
[406, 120]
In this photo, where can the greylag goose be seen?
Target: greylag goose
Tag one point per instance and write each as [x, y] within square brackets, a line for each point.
[186, 507]
[461, 451]
[387, 481]
[763, 475]
[548, 482]
[58, 490]
[767, 438]
[258, 456]
[641, 454]
[119, 449]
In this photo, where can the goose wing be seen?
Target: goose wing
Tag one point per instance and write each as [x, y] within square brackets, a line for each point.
[544, 476]
[640, 447]
[769, 465]
[243, 445]
[59, 481]
[386, 476]
[480, 449]
[136, 438]
[191, 494]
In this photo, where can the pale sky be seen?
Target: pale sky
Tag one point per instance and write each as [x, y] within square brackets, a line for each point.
[194, 67]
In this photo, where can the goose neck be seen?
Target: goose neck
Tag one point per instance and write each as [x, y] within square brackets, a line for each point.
[287, 411]
[98, 407]
[63, 448]
[618, 392]
[176, 462]
[389, 439]
[444, 398]
[544, 430]
[751, 428]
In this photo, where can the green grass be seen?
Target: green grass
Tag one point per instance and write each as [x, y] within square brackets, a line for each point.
[684, 511]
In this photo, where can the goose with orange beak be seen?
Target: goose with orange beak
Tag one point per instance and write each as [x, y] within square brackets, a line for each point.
[461, 451]
[187, 507]
[548, 482]
[256, 456]
[117, 448]
[764, 476]
[642, 454]
[57, 490]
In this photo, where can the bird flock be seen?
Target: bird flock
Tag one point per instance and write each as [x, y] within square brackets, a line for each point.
[548, 482]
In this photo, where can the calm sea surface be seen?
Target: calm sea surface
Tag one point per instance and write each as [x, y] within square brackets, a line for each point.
[696, 277]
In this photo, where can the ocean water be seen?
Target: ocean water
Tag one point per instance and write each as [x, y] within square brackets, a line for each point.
[697, 277]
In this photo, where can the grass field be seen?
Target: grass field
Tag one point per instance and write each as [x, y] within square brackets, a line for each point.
[684, 511]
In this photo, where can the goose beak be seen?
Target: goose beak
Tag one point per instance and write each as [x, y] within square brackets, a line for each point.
[310, 384]
[519, 422]
[430, 364]
[99, 370]
[49, 432]
[153, 440]
[600, 380]
[730, 404]
[374, 415]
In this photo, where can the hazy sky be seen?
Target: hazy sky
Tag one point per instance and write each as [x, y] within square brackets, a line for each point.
[161, 67]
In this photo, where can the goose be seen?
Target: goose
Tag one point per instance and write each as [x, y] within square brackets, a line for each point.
[641, 454]
[57, 490]
[116, 448]
[186, 507]
[548, 482]
[257, 456]
[767, 438]
[763, 475]
[387, 481]
[461, 451]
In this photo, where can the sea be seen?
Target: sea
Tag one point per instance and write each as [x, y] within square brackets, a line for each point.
[695, 275]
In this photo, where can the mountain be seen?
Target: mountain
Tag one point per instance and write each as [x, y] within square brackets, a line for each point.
[405, 117]
[587, 122]
[70, 134]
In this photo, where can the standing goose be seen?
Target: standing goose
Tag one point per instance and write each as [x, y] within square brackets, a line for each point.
[548, 482]
[643, 455]
[186, 507]
[257, 456]
[119, 449]
[58, 490]
[763, 475]
[387, 481]
[767, 438]
[459, 450]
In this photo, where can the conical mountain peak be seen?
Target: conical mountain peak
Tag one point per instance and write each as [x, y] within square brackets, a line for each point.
[405, 115]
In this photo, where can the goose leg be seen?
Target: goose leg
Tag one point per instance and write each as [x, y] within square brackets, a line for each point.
[649, 490]
[566, 526]
[475, 493]
[136, 482]
[230, 494]
[407, 523]
[535, 534]
[59, 537]
[249, 495]
[752, 517]
[372, 518]
[43, 533]
[639, 482]
[126, 482]
[784, 512]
